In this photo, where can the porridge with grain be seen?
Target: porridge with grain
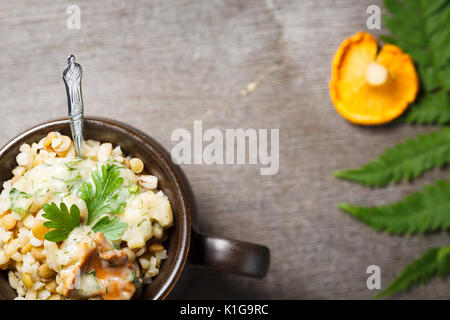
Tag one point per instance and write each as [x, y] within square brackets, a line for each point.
[71, 228]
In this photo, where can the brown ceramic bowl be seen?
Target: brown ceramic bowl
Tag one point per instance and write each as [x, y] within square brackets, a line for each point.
[207, 251]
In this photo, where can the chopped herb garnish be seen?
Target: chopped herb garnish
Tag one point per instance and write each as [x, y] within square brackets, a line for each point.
[69, 167]
[14, 196]
[18, 194]
[71, 164]
[76, 179]
[92, 273]
[134, 189]
[139, 224]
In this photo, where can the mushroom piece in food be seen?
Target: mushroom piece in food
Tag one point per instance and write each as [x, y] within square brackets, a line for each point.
[102, 272]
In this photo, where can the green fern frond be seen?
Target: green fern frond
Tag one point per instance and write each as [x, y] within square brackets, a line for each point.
[424, 211]
[436, 262]
[422, 29]
[407, 160]
[431, 108]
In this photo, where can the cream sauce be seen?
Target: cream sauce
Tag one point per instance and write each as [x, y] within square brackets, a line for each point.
[58, 179]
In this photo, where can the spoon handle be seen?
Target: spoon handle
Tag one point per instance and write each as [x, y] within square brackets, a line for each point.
[72, 79]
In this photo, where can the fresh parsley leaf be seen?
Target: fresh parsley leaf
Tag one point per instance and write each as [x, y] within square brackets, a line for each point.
[112, 228]
[101, 197]
[61, 220]
[436, 262]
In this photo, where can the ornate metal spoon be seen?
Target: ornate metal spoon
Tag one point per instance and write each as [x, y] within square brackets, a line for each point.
[72, 79]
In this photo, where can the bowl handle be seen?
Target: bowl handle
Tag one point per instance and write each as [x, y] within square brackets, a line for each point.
[229, 255]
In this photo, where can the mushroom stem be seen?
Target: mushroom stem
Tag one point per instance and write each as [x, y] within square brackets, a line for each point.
[376, 74]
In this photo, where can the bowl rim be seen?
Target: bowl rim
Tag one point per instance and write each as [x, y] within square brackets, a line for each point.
[173, 172]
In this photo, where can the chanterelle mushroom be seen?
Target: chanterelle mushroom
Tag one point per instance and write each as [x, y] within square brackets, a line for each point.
[101, 271]
[370, 87]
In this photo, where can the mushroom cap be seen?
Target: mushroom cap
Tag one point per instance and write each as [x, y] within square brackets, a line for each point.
[359, 88]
